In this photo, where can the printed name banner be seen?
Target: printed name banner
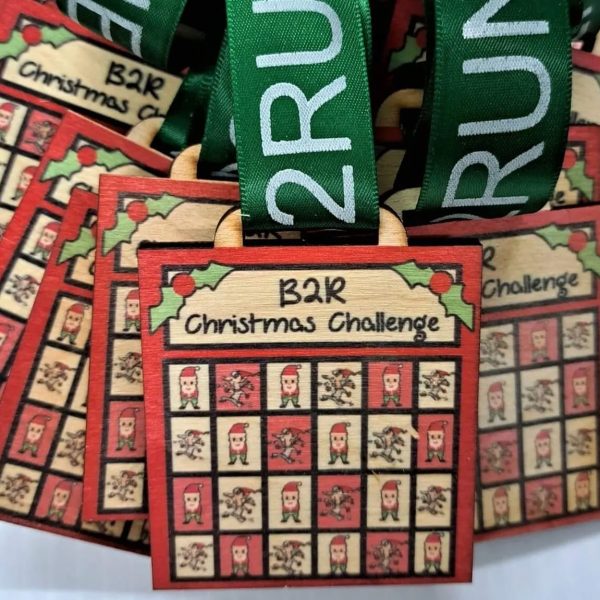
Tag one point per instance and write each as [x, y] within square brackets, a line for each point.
[312, 414]
[579, 181]
[27, 125]
[79, 153]
[42, 419]
[132, 211]
[538, 461]
[47, 54]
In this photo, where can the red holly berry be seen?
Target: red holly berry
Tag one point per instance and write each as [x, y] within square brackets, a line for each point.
[87, 156]
[137, 211]
[440, 283]
[32, 35]
[421, 38]
[184, 285]
[570, 159]
[578, 240]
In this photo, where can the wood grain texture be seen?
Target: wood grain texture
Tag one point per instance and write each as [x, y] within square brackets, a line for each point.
[79, 153]
[539, 456]
[287, 402]
[42, 415]
[133, 211]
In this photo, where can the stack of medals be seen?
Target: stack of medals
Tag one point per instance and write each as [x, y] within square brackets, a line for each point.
[309, 303]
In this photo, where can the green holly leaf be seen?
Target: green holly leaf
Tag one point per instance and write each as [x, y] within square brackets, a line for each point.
[554, 236]
[66, 167]
[164, 205]
[57, 36]
[124, 228]
[409, 54]
[210, 277]
[122, 232]
[112, 159]
[455, 305]
[81, 247]
[452, 300]
[414, 275]
[171, 302]
[580, 181]
[589, 258]
[13, 47]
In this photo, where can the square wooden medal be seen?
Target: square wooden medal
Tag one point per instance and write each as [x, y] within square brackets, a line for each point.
[79, 153]
[42, 416]
[538, 464]
[132, 211]
[312, 414]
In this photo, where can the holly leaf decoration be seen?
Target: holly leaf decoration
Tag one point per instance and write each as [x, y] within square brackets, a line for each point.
[554, 236]
[72, 164]
[66, 167]
[589, 258]
[450, 294]
[122, 232]
[79, 248]
[410, 53]
[112, 159]
[183, 286]
[580, 181]
[13, 47]
[57, 36]
[577, 241]
[126, 226]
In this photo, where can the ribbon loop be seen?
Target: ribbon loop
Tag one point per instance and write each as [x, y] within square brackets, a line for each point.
[302, 114]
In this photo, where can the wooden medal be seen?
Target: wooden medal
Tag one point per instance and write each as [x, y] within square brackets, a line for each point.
[313, 412]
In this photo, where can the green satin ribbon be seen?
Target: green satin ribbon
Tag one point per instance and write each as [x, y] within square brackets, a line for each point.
[302, 114]
[590, 18]
[145, 27]
[499, 104]
[184, 123]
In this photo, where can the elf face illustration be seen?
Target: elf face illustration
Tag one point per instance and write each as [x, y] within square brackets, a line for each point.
[338, 552]
[73, 321]
[289, 384]
[35, 431]
[339, 441]
[60, 497]
[582, 488]
[391, 382]
[543, 445]
[7, 110]
[433, 550]
[539, 340]
[25, 179]
[290, 500]
[435, 440]
[191, 501]
[189, 385]
[48, 237]
[132, 306]
[237, 441]
[127, 427]
[239, 553]
[389, 498]
[580, 386]
[501, 504]
[495, 398]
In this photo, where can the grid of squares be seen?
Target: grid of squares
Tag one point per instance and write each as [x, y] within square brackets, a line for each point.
[123, 444]
[42, 463]
[538, 420]
[311, 468]
[25, 133]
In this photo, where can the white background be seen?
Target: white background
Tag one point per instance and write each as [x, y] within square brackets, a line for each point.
[563, 563]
